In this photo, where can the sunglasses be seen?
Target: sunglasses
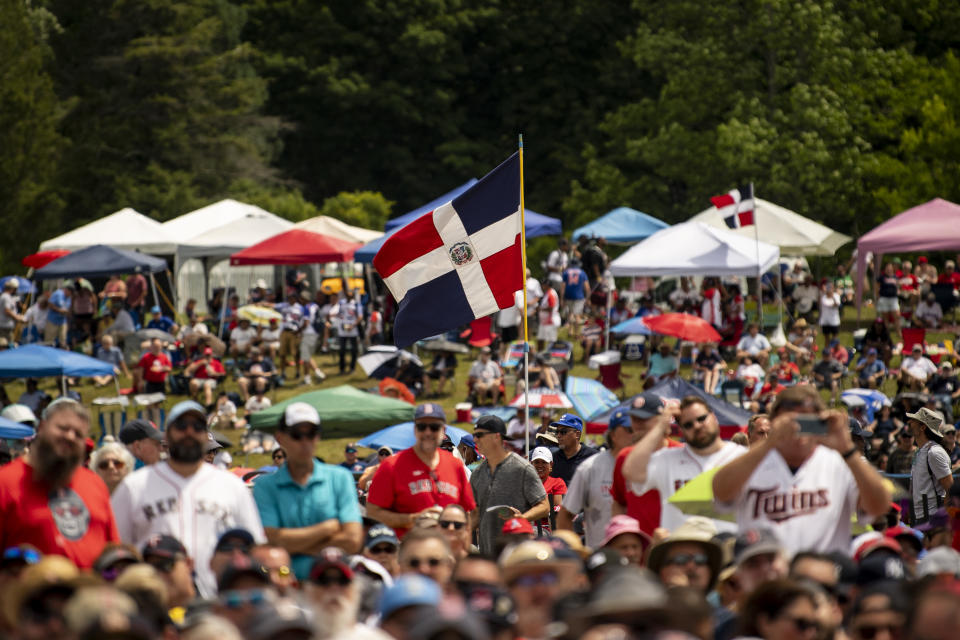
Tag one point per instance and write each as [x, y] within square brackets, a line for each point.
[452, 524]
[309, 434]
[160, 563]
[423, 426]
[433, 563]
[279, 456]
[235, 599]
[534, 579]
[563, 432]
[381, 549]
[183, 424]
[698, 420]
[230, 547]
[383, 454]
[324, 580]
[803, 625]
[683, 559]
[870, 631]
[30, 556]
[103, 464]
[905, 435]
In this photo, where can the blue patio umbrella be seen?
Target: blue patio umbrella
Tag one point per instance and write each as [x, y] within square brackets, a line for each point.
[871, 399]
[633, 326]
[37, 361]
[24, 286]
[589, 397]
[401, 436]
[10, 430]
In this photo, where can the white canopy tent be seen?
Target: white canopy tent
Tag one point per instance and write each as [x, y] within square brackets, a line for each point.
[196, 223]
[695, 248]
[234, 236]
[327, 226]
[124, 229]
[776, 225]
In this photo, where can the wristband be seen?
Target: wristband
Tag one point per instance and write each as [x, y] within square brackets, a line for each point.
[853, 450]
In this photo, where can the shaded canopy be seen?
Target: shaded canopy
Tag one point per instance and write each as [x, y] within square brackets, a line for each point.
[622, 225]
[38, 361]
[327, 226]
[124, 229]
[695, 248]
[345, 411]
[100, 261]
[296, 246]
[401, 436]
[776, 225]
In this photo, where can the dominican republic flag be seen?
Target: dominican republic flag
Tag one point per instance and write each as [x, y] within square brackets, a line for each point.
[459, 262]
[736, 207]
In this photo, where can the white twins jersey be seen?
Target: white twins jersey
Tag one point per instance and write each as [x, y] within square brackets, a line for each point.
[670, 469]
[589, 491]
[809, 510]
[194, 510]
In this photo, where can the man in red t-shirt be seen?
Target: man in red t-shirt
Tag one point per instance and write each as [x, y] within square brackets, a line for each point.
[949, 275]
[644, 508]
[48, 500]
[204, 373]
[419, 481]
[556, 488]
[154, 367]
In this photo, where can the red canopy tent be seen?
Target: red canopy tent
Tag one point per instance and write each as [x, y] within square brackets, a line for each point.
[296, 246]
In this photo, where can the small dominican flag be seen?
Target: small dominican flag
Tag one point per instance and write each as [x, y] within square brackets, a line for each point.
[460, 262]
[736, 207]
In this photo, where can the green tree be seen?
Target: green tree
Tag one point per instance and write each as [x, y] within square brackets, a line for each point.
[365, 209]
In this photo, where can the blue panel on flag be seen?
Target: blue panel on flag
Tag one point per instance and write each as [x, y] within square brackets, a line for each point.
[496, 196]
[431, 308]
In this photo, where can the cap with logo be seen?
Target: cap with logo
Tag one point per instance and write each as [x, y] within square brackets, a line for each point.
[139, 429]
[755, 542]
[164, 546]
[467, 440]
[381, 533]
[491, 424]
[300, 413]
[331, 559]
[183, 408]
[646, 405]
[233, 535]
[932, 420]
[619, 418]
[517, 526]
[568, 420]
[429, 410]
[114, 555]
[211, 444]
[541, 453]
[408, 591]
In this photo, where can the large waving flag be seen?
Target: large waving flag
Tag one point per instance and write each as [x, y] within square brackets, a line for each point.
[459, 262]
[736, 206]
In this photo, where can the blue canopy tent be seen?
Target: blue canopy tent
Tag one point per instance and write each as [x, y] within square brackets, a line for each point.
[400, 437]
[38, 361]
[410, 216]
[100, 261]
[622, 225]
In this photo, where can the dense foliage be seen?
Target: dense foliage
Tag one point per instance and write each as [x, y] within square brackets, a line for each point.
[846, 111]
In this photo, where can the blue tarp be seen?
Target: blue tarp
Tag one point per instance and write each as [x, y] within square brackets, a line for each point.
[38, 361]
[400, 437]
[623, 225]
[100, 261]
[10, 430]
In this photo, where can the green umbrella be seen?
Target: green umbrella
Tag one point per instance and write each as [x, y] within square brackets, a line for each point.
[345, 411]
[696, 498]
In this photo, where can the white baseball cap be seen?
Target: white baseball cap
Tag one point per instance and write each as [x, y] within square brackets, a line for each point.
[541, 453]
[299, 413]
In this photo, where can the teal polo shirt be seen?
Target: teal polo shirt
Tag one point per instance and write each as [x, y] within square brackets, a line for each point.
[330, 492]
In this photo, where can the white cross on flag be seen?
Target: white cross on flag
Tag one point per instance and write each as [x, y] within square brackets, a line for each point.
[736, 207]
[459, 262]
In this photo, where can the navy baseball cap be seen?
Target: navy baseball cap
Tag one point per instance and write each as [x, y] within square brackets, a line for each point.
[381, 533]
[646, 405]
[619, 418]
[567, 420]
[429, 410]
[232, 535]
[468, 440]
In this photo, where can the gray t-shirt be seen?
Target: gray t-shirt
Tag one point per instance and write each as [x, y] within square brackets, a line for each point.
[922, 483]
[514, 483]
[7, 303]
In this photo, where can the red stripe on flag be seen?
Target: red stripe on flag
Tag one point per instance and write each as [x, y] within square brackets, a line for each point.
[723, 201]
[503, 273]
[407, 244]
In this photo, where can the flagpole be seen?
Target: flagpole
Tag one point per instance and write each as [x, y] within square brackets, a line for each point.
[526, 336]
[756, 237]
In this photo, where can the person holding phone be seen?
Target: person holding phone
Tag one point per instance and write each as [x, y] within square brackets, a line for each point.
[802, 486]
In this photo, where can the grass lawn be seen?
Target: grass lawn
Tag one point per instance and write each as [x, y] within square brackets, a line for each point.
[332, 450]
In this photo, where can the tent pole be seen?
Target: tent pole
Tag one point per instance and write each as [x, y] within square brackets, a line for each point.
[153, 286]
[224, 301]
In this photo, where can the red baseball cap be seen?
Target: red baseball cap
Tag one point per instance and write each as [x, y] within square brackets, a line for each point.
[517, 526]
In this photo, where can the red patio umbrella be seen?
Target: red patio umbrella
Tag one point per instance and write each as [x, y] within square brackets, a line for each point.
[43, 258]
[297, 246]
[683, 326]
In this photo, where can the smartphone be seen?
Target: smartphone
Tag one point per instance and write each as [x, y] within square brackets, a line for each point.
[812, 424]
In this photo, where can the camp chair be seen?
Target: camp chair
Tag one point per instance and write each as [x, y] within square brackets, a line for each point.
[561, 350]
[112, 415]
[514, 355]
[480, 333]
[150, 407]
[735, 387]
[912, 336]
[611, 377]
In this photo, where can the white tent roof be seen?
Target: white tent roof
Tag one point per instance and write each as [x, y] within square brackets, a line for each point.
[124, 229]
[227, 239]
[196, 223]
[694, 248]
[327, 226]
[794, 234]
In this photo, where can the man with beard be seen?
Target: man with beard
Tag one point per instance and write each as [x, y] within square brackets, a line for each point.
[186, 498]
[333, 592]
[666, 470]
[47, 499]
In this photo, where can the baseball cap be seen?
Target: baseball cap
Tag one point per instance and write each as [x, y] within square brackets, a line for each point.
[19, 413]
[931, 419]
[155, 309]
[211, 444]
[922, 260]
[601, 561]
[517, 526]
[113, 555]
[755, 542]
[878, 567]
[234, 535]
[164, 546]
[429, 410]
[300, 413]
[408, 591]
[242, 567]
[277, 618]
[619, 418]
[871, 351]
[949, 428]
[182, 408]
[938, 561]
[568, 420]
[138, 429]
[646, 405]
[541, 453]
[904, 534]
[492, 424]
[621, 524]
[331, 558]
[381, 533]
[467, 439]
[350, 448]
[917, 347]
[390, 451]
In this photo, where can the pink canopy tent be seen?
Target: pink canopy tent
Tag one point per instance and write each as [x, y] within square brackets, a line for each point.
[932, 226]
[296, 246]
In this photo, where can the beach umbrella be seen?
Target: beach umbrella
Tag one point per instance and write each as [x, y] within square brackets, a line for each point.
[24, 286]
[37, 361]
[589, 397]
[382, 361]
[401, 436]
[632, 326]
[258, 315]
[442, 344]
[683, 326]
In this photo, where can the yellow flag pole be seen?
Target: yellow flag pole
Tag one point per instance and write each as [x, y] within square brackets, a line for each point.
[526, 335]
